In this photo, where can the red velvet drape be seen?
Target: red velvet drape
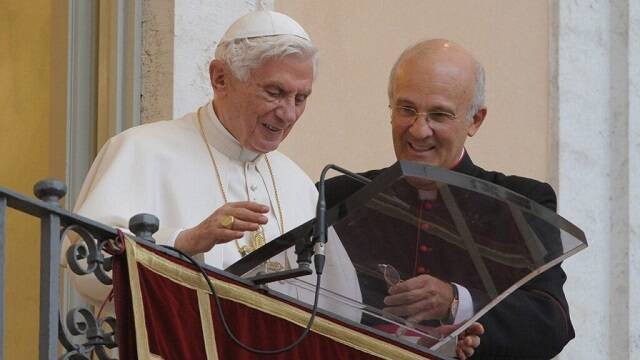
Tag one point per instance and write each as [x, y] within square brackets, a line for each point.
[174, 328]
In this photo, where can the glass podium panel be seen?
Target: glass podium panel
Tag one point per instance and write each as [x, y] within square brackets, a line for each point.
[428, 227]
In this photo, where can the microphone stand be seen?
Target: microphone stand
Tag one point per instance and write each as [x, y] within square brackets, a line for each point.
[320, 233]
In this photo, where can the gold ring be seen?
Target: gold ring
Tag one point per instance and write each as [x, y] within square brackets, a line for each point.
[227, 221]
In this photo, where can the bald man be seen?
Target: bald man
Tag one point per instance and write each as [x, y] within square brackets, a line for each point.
[436, 97]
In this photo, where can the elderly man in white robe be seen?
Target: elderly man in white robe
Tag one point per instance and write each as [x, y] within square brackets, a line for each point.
[214, 177]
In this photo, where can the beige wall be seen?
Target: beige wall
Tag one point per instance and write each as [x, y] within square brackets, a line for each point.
[27, 153]
[347, 120]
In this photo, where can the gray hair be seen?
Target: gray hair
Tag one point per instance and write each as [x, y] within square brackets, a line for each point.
[478, 90]
[244, 55]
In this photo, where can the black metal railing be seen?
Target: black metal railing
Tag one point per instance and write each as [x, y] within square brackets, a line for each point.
[79, 332]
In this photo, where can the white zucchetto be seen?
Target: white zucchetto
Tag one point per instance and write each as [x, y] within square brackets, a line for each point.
[263, 23]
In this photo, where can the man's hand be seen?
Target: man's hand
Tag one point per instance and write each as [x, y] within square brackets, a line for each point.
[247, 215]
[423, 297]
[469, 340]
[466, 344]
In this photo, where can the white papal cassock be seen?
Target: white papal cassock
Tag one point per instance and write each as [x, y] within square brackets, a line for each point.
[164, 169]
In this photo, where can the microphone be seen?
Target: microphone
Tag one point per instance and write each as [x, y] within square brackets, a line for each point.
[320, 229]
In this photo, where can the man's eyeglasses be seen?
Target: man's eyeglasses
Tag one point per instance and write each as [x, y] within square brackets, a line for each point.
[405, 115]
[391, 275]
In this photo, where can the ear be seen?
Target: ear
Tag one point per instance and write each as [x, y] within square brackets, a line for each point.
[476, 122]
[219, 75]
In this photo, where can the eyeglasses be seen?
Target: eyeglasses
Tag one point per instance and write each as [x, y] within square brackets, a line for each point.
[391, 275]
[405, 115]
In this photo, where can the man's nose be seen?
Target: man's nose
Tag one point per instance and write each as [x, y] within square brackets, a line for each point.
[286, 111]
[421, 128]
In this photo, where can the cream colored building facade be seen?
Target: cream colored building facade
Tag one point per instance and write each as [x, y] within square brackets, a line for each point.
[563, 97]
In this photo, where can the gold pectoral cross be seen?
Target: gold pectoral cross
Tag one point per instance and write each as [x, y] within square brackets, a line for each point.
[257, 240]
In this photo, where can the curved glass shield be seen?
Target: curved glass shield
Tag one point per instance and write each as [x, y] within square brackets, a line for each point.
[426, 225]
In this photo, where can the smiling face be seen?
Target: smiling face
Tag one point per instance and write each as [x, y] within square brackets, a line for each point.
[435, 80]
[261, 111]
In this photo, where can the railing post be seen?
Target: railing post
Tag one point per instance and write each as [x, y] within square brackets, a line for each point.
[50, 191]
[144, 226]
[3, 213]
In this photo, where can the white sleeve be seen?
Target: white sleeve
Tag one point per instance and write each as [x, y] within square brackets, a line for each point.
[121, 184]
[465, 305]
[114, 191]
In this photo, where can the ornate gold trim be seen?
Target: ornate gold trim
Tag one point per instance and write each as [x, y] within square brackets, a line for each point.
[253, 299]
[206, 319]
[142, 337]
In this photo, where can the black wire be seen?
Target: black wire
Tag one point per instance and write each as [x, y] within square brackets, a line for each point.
[226, 326]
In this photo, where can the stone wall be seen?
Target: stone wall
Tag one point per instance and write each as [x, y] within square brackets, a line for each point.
[598, 142]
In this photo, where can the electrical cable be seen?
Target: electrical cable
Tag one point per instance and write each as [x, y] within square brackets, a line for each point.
[226, 326]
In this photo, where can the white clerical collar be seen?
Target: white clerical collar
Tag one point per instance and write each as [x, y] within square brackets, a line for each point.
[433, 194]
[222, 139]
[427, 194]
